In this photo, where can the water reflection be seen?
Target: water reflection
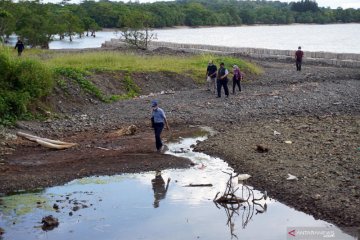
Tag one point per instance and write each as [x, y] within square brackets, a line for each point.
[159, 187]
[233, 204]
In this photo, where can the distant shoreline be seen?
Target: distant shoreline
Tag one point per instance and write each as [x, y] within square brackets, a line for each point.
[243, 25]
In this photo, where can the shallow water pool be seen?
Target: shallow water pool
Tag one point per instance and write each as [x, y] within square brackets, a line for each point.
[149, 206]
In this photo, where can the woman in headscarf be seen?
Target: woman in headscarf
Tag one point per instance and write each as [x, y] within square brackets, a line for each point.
[236, 78]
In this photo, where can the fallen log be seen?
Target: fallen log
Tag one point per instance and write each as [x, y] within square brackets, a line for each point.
[199, 185]
[230, 199]
[33, 138]
[54, 144]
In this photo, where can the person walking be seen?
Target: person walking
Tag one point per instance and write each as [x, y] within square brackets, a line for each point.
[211, 76]
[20, 47]
[159, 121]
[222, 80]
[298, 57]
[236, 78]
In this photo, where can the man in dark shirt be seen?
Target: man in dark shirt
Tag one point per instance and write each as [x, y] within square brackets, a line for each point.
[298, 57]
[211, 76]
[222, 80]
[20, 47]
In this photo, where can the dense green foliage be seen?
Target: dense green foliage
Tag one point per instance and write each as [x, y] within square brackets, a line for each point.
[22, 81]
[38, 23]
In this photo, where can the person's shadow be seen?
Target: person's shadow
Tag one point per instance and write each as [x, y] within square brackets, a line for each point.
[159, 187]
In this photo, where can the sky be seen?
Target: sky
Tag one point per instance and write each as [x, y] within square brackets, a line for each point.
[322, 3]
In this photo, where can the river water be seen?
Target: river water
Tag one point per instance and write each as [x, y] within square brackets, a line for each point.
[138, 206]
[329, 38]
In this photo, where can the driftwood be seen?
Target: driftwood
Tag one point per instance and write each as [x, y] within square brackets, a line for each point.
[199, 185]
[125, 131]
[49, 143]
[235, 205]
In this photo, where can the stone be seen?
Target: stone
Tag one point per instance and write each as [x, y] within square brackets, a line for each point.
[49, 222]
[261, 149]
[317, 196]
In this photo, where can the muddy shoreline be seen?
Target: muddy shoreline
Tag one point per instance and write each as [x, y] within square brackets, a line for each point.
[316, 109]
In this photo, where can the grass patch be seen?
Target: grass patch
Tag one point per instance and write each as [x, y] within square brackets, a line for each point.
[80, 77]
[132, 90]
[194, 66]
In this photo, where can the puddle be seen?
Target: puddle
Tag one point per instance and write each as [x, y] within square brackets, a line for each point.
[140, 206]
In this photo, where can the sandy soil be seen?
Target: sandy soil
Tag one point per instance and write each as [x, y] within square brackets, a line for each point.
[316, 109]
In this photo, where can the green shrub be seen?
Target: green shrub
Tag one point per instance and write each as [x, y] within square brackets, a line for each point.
[22, 82]
[79, 76]
[34, 78]
[5, 68]
[132, 89]
[3, 105]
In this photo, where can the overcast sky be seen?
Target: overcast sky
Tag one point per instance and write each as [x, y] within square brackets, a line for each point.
[322, 3]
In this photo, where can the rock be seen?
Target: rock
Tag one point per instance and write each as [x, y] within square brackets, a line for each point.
[75, 208]
[49, 223]
[55, 206]
[243, 177]
[302, 127]
[292, 177]
[2, 231]
[261, 149]
[276, 133]
[317, 196]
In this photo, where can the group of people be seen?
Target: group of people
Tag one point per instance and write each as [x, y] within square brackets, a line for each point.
[218, 78]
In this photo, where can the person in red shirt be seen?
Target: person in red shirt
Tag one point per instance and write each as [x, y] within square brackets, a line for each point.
[298, 57]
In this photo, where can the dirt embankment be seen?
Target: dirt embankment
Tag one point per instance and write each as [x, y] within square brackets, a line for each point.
[317, 110]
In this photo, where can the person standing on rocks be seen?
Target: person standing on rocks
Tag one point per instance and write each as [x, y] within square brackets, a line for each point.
[159, 121]
[211, 76]
[236, 78]
[20, 47]
[298, 57]
[222, 80]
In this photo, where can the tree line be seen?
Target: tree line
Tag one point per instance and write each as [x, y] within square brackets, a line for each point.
[38, 23]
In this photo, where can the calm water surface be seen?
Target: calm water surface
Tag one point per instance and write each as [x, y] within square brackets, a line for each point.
[136, 206]
[330, 38]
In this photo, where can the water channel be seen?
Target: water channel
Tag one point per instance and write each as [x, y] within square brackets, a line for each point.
[140, 206]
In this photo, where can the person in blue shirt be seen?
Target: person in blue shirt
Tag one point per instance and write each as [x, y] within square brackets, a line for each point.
[159, 121]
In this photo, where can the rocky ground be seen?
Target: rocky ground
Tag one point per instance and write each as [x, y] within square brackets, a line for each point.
[307, 124]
